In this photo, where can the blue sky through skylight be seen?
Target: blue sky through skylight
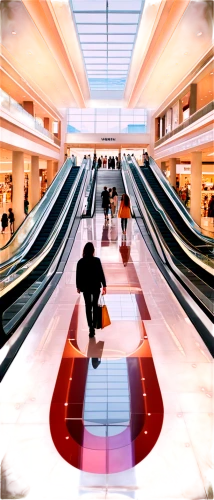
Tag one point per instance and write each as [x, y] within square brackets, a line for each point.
[107, 32]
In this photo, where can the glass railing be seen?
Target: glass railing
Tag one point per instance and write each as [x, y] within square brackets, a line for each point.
[199, 258]
[25, 235]
[19, 113]
[13, 279]
[166, 186]
[193, 118]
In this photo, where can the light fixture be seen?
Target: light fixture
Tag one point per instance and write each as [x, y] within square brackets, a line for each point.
[30, 53]
[145, 432]
[205, 95]
[144, 394]
[13, 32]
[185, 53]
[211, 73]
[65, 404]
[199, 33]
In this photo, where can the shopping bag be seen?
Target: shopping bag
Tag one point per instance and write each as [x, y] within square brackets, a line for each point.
[105, 317]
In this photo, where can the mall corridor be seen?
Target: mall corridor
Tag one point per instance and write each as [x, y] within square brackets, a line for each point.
[140, 422]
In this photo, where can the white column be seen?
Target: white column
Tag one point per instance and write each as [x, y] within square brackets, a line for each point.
[196, 181]
[34, 184]
[50, 172]
[18, 187]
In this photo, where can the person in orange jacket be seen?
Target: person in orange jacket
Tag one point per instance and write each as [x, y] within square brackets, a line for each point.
[124, 212]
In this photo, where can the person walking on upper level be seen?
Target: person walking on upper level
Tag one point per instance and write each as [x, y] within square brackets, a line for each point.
[124, 212]
[89, 279]
[105, 202]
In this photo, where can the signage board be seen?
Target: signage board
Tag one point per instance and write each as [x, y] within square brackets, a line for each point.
[183, 168]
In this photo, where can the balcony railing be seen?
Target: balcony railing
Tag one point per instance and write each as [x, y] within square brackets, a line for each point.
[193, 118]
[19, 113]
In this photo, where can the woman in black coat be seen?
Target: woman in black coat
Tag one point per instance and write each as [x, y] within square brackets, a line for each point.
[89, 279]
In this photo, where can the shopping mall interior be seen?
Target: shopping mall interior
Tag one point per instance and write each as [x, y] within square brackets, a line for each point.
[107, 380]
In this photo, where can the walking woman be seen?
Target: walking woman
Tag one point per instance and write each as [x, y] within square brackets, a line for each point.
[124, 212]
[115, 200]
[89, 279]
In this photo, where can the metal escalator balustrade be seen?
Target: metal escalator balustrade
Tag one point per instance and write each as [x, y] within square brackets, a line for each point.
[174, 198]
[174, 215]
[27, 231]
[200, 276]
[16, 299]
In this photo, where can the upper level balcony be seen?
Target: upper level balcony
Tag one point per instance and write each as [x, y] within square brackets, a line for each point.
[11, 110]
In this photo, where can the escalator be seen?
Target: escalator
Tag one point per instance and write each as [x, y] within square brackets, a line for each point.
[171, 210]
[22, 296]
[196, 273]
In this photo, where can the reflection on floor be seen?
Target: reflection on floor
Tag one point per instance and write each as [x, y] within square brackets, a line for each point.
[149, 329]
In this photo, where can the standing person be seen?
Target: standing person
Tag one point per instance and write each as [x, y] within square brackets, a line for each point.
[109, 162]
[124, 211]
[105, 202]
[210, 207]
[115, 200]
[99, 162]
[111, 201]
[11, 219]
[105, 162]
[113, 163]
[73, 161]
[89, 279]
[4, 222]
[26, 206]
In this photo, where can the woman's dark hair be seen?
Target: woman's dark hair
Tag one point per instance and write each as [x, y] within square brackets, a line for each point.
[88, 250]
[126, 200]
[115, 191]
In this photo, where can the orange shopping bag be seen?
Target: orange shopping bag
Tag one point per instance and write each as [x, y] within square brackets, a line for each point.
[105, 316]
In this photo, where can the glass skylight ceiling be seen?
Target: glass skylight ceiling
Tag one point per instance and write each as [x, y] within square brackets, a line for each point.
[107, 31]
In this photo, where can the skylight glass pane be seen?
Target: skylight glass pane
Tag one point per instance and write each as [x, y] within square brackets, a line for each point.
[119, 53]
[90, 18]
[95, 60]
[88, 5]
[99, 66]
[117, 60]
[94, 46]
[131, 5]
[120, 46]
[121, 66]
[93, 38]
[95, 53]
[122, 28]
[122, 18]
[92, 28]
[121, 38]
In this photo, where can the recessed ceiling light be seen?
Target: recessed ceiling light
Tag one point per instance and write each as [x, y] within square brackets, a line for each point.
[13, 32]
[205, 95]
[185, 53]
[201, 99]
[30, 53]
[211, 73]
[199, 33]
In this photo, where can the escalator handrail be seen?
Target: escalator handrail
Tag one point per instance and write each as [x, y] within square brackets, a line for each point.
[54, 264]
[13, 279]
[51, 193]
[195, 255]
[7, 266]
[174, 198]
[165, 250]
